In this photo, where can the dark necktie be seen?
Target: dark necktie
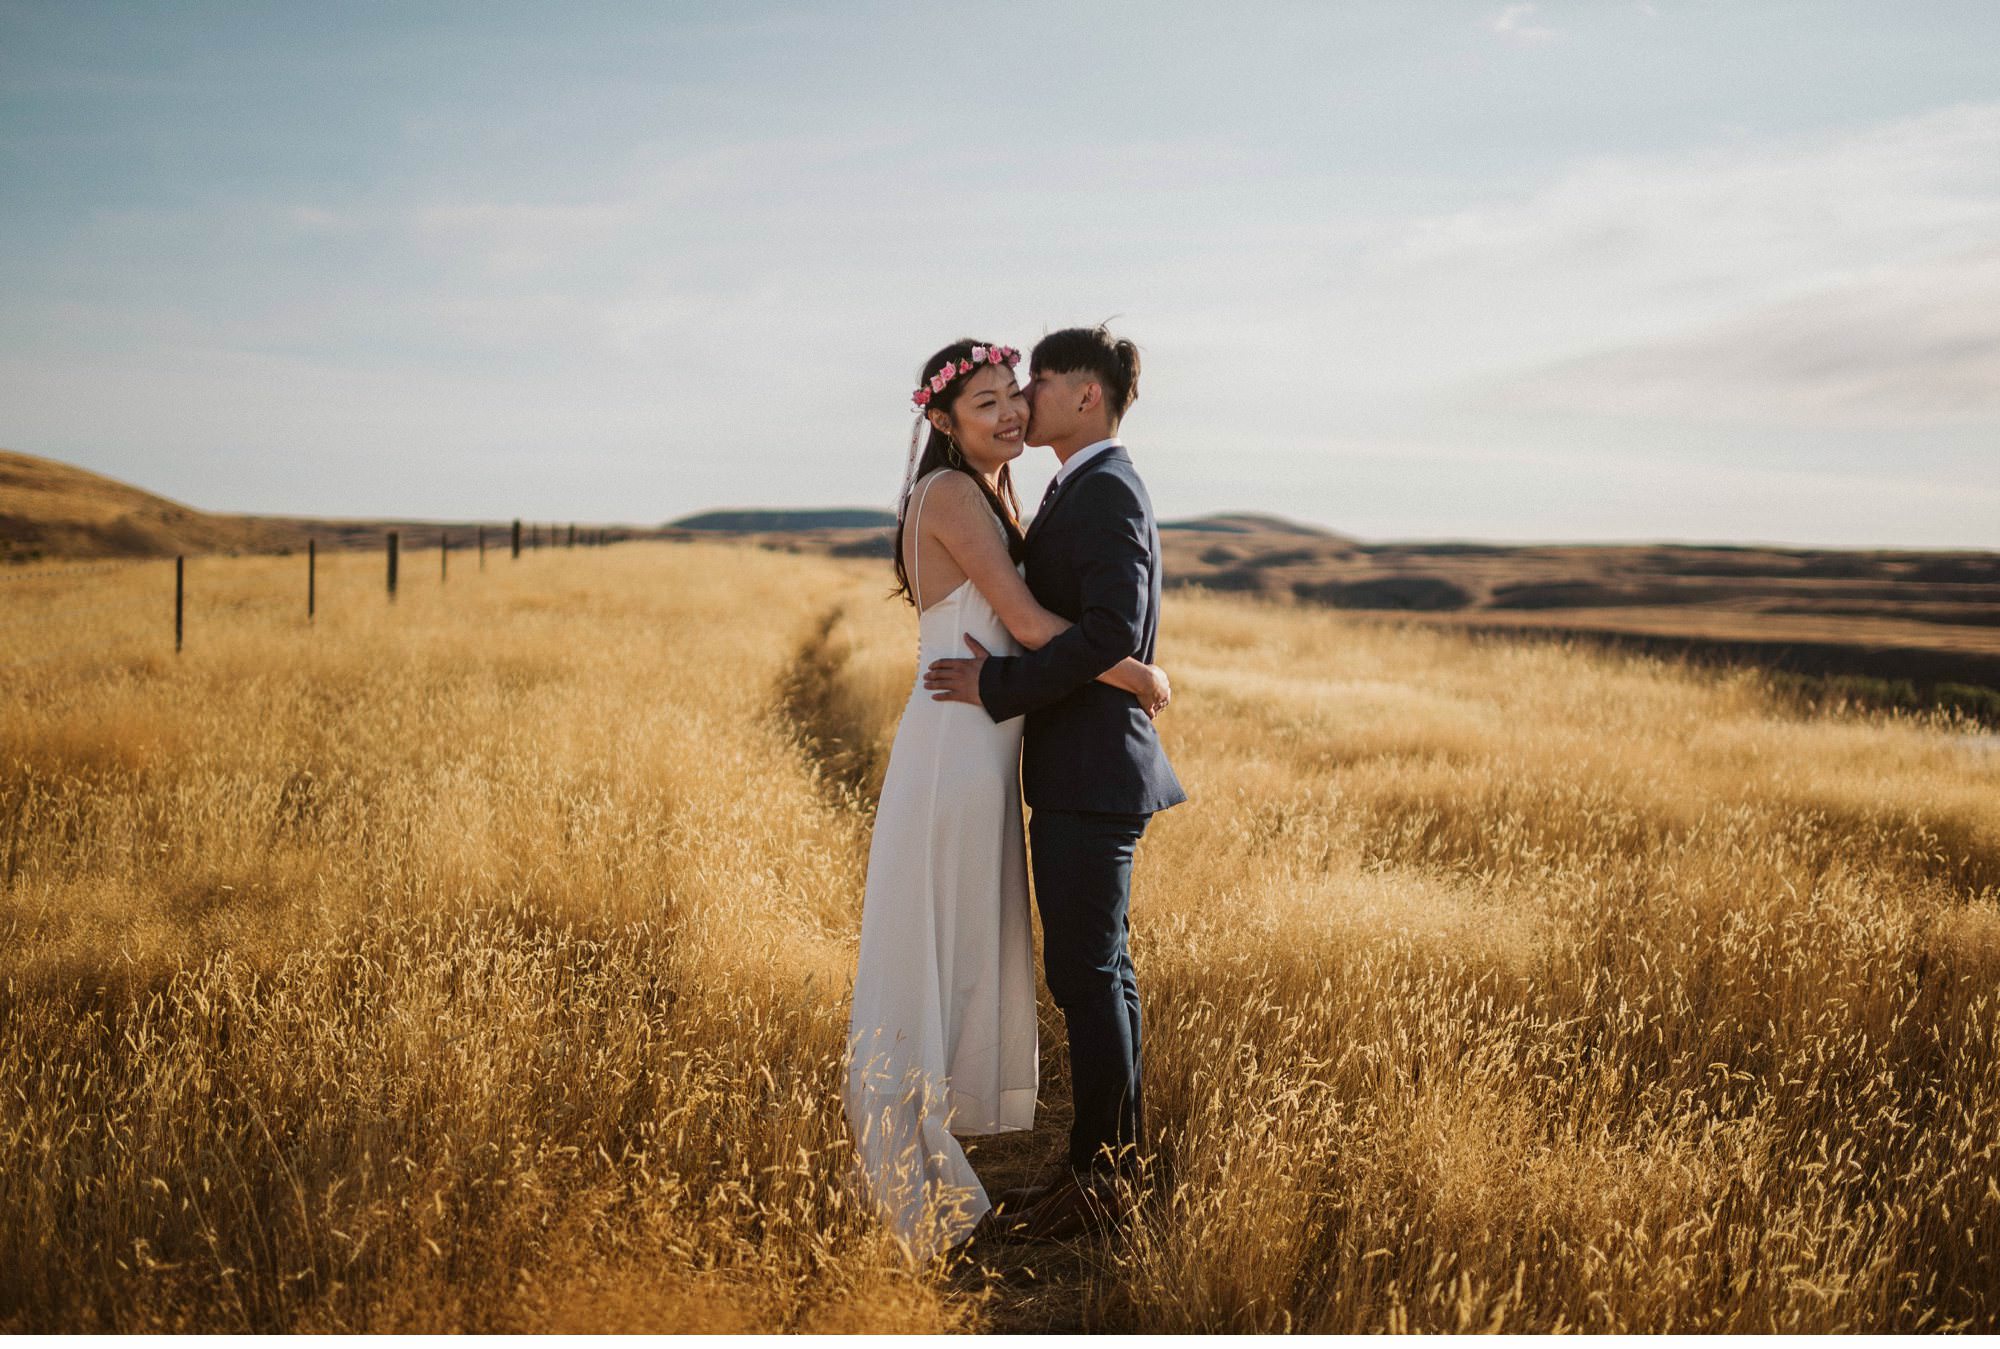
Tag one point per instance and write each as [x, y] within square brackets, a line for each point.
[1048, 496]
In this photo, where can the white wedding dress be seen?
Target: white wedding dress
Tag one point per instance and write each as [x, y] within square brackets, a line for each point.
[942, 1038]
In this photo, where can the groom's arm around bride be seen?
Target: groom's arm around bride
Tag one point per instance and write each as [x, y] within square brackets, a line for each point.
[1093, 557]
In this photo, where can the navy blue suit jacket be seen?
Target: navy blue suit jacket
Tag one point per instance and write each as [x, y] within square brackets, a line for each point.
[1093, 558]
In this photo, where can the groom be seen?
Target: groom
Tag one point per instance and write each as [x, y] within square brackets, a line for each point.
[1092, 770]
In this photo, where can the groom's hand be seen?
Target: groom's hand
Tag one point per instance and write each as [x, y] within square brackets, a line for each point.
[957, 681]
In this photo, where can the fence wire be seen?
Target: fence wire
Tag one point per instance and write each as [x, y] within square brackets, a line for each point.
[29, 571]
[148, 617]
[130, 645]
[59, 617]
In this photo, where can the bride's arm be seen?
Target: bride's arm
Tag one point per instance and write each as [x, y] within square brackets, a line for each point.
[958, 517]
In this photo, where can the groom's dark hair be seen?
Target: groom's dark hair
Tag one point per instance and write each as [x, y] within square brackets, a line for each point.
[1113, 360]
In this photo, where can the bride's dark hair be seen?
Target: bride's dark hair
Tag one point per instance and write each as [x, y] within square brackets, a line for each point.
[941, 451]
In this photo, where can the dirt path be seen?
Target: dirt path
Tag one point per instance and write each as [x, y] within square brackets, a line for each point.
[1033, 1288]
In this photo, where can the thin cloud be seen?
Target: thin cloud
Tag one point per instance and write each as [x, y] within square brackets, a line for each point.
[1908, 347]
[1520, 25]
[1634, 250]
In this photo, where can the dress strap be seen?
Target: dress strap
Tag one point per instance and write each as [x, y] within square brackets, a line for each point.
[917, 541]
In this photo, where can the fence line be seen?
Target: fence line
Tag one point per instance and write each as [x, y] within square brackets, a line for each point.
[207, 604]
[28, 571]
[45, 655]
[97, 606]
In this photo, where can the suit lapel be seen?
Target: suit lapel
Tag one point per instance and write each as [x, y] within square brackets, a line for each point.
[1096, 461]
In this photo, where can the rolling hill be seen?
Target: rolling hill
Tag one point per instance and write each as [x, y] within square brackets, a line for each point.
[779, 521]
[1922, 621]
[56, 510]
[51, 511]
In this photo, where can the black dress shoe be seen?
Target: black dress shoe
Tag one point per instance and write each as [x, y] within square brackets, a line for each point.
[1073, 1208]
[1023, 1197]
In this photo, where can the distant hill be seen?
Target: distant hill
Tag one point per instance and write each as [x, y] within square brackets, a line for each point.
[1929, 618]
[783, 521]
[52, 509]
[1244, 522]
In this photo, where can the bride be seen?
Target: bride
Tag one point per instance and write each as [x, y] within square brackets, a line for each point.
[942, 1036]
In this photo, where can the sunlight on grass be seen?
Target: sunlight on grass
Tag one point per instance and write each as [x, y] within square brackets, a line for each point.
[481, 961]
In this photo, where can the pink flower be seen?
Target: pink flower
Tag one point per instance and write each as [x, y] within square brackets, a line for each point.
[923, 397]
[938, 381]
[979, 355]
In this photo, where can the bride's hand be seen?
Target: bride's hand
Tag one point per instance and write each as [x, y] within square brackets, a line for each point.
[1159, 691]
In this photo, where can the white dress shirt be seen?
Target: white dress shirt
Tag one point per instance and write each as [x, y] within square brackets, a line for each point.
[1085, 455]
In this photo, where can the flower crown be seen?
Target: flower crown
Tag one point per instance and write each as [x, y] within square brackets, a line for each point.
[951, 370]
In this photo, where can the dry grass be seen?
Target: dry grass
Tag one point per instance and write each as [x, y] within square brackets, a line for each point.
[481, 963]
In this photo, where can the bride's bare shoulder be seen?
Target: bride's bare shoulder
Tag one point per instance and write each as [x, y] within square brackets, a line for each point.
[950, 498]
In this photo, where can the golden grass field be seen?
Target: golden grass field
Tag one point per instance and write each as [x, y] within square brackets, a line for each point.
[481, 961]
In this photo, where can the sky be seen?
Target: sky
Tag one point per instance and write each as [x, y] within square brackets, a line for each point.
[1685, 270]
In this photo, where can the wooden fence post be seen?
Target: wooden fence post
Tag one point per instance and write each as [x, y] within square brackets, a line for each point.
[482, 548]
[517, 539]
[180, 599]
[312, 577]
[444, 555]
[572, 535]
[393, 541]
